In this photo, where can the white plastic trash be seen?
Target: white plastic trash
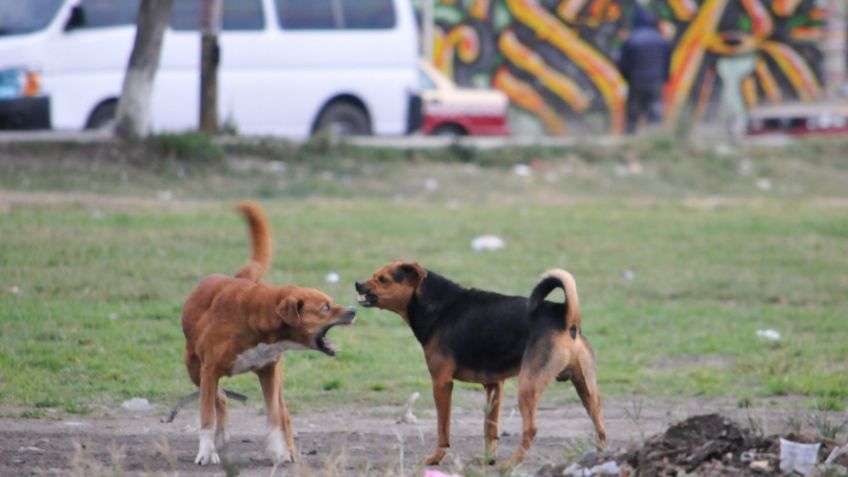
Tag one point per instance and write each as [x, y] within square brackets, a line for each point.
[798, 457]
[137, 404]
[522, 170]
[769, 334]
[487, 243]
[332, 277]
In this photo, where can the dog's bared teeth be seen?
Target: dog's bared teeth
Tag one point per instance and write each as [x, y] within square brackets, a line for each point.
[362, 298]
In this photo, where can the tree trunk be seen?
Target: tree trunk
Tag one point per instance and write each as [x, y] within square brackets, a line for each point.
[133, 115]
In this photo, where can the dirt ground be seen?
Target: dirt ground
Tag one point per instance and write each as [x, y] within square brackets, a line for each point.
[345, 441]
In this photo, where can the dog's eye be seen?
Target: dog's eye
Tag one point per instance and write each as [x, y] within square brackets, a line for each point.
[383, 279]
[325, 308]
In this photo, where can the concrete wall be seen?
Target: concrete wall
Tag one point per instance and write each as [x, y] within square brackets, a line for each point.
[555, 59]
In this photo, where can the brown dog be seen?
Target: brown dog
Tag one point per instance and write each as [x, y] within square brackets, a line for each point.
[236, 324]
[482, 337]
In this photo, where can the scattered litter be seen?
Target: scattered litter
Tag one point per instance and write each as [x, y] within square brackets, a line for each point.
[769, 334]
[628, 275]
[607, 468]
[764, 184]
[14, 290]
[96, 214]
[438, 473]
[709, 445]
[487, 243]
[798, 457]
[431, 184]
[761, 466]
[137, 404]
[113, 316]
[724, 150]
[332, 277]
[165, 195]
[745, 167]
[74, 423]
[29, 449]
[836, 453]
[539, 165]
[522, 170]
[407, 417]
[279, 167]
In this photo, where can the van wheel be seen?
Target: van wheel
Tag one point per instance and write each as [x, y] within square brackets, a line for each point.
[103, 116]
[344, 119]
[449, 130]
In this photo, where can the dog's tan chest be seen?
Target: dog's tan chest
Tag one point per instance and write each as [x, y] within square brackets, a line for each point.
[262, 355]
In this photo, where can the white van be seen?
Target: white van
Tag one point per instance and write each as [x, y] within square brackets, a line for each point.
[287, 67]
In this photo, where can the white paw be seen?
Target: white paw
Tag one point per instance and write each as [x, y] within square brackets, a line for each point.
[275, 447]
[207, 458]
[206, 452]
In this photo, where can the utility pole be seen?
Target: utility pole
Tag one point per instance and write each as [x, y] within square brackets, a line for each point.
[427, 29]
[210, 55]
[834, 47]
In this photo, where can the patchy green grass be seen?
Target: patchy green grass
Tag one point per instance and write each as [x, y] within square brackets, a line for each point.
[674, 281]
[97, 317]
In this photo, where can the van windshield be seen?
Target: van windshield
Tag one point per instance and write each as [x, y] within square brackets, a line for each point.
[18, 17]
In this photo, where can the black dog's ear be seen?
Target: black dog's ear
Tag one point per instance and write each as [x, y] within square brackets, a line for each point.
[413, 273]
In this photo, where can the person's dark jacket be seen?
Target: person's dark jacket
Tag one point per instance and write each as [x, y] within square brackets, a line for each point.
[646, 55]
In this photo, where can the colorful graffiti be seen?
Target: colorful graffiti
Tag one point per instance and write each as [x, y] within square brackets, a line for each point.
[555, 59]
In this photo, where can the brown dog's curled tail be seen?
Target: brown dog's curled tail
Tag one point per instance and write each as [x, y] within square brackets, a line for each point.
[558, 278]
[260, 237]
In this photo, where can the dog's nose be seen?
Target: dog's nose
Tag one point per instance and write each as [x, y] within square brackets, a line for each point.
[361, 288]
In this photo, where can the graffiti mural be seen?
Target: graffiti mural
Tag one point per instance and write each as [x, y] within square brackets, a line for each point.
[556, 59]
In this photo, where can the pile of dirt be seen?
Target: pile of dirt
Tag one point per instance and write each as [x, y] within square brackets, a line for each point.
[706, 445]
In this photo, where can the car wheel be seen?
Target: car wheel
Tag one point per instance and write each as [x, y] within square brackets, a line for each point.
[449, 130]
[103, 116]
[344, 119]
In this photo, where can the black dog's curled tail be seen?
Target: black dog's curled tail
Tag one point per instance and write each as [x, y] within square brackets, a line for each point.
[558, 278]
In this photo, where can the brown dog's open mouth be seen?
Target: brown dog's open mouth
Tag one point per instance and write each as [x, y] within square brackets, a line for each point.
[322, 344]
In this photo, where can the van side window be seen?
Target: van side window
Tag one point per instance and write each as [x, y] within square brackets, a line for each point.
[108, 13]
[368, 14]
[335, 14]
[239, 15]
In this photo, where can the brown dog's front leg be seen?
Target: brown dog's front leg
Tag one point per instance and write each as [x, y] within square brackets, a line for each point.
[276, 441]
[442, 390]
[206, 453]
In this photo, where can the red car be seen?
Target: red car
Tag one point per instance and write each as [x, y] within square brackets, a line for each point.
[454, 111]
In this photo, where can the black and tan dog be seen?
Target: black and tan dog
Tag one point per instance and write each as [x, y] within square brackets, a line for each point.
[483, 337]
[235, 325]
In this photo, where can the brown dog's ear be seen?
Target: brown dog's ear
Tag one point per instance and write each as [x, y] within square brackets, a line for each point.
[413, 273]
[289, 310]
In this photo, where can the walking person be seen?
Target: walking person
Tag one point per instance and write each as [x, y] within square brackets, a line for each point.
[644, 63]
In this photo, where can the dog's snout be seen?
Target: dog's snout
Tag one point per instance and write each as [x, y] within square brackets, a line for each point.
[361, 288]
[350, 311]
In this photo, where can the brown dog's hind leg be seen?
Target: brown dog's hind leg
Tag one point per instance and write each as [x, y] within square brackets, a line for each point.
[494, 393]
[206, 453]
[583, 378]
[538, 369]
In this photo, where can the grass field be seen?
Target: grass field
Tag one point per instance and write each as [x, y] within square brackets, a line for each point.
[678, 266]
